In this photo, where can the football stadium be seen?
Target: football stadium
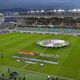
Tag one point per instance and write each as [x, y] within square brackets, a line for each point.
[40, 46]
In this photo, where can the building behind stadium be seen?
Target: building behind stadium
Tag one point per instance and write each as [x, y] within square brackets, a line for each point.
[1, 18]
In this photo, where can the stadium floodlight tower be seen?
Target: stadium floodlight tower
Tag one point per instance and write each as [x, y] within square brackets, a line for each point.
[42, 11]
[54, 10]
[61, 10]
[1, 18]
[74, 10]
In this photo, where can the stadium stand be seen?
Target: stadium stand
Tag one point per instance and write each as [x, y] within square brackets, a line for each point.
[49, 22]
[46, 22]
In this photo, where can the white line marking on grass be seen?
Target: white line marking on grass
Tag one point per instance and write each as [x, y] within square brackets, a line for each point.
[25, 66]
[34, 72]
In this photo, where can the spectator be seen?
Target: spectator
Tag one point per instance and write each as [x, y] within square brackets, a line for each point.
[2, 74]
[48, 78]
[52, 78]
[56, 78]
[20, 78]
[1, 55]
[8, 70]
[24, 78]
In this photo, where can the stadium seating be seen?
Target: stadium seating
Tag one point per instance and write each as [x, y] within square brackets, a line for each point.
[49, 30]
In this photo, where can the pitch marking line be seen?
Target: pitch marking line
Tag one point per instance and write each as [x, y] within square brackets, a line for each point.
[25, 66]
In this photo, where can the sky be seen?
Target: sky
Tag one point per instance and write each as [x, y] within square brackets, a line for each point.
[40, 4]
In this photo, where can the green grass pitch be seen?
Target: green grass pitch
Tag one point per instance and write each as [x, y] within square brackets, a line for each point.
[69, 61]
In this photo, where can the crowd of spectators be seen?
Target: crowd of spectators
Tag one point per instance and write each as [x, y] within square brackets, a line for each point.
[12, 75]
[59, 22]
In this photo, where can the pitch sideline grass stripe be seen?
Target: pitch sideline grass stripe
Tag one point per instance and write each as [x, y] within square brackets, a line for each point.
[33, 72]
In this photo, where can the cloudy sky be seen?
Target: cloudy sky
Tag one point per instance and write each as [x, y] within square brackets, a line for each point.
[40, 4]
